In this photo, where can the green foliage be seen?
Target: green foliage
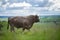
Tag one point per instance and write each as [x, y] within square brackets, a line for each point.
[50, 18]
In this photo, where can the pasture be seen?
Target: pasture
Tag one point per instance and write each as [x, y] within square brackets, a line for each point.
[39, 31]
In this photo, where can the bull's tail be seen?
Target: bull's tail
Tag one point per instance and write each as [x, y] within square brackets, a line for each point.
[8, 24]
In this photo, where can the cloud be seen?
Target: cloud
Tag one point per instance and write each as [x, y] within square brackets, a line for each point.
[6, 0]
[28, 12]
[50, 5]
[26, 3]
[0, 3]
[22, 4]
[18, 14]
[39, 0]
[37, 3]
[4, 6]
[56, 5]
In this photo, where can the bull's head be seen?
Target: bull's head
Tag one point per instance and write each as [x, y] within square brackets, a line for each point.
[36, 18]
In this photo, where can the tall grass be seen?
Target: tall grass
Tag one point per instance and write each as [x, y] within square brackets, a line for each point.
[39, 31]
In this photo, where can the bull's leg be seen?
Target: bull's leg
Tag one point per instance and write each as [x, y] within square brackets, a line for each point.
[12, 28]
[0, 28]
[23, 29]
[28, 27]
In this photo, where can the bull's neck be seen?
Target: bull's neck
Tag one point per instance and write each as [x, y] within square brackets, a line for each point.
[31, 20]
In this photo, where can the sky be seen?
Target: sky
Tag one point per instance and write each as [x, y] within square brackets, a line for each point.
[28, 6]
[49, 4]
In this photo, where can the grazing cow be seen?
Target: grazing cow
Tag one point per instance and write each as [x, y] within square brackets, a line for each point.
[22, 22]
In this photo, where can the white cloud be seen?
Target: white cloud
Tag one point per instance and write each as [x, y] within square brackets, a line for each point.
[18, 14]
[6, 0]
[4, 6]
[24, 4]
[39, 0]
[27, 12]
[56, 5]
[51, 0]
[0, 3]
[52, 5]
[36, 5]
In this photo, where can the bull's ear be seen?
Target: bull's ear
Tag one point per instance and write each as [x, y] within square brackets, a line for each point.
[36, 15]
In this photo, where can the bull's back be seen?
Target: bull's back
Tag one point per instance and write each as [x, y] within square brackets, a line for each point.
[16, 21]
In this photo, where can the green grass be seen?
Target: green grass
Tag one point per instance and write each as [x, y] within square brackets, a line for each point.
[39, 31]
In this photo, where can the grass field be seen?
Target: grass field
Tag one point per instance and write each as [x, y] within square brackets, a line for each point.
[39, 31]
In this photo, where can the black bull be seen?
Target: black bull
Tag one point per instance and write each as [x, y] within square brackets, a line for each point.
[22, 22]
